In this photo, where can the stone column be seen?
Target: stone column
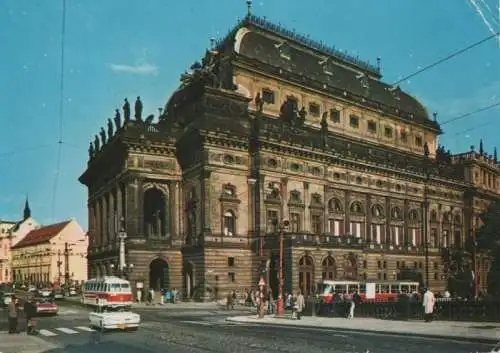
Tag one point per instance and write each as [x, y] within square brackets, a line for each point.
[133, 209]
[306, 217]
[100, 220]
[347, 212]
[284, 200]
[119, 206]
[105, 219]
[111, 218]
[173, 208]
[206, 214]
[261, 216]
[251, 184]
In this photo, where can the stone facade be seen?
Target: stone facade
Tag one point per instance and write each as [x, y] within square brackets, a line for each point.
[271, 126]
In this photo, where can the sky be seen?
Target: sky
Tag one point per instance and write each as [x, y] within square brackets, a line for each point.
[116, 49]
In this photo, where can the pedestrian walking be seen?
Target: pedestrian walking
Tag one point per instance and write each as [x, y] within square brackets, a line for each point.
[13, 313]
[428, 304]
[29, 313]
[300, 304]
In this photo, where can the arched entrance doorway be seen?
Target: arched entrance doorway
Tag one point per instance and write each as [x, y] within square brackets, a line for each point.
[306, 274]
[274, 274]
[159, 275]
[188, 279]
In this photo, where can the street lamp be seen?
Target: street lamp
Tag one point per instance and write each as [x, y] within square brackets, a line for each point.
[426, 212]
[280, 311]
[123, 270]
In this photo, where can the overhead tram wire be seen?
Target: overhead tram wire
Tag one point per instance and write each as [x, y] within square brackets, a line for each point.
[462, 116]
[440, 61]
[61, 109]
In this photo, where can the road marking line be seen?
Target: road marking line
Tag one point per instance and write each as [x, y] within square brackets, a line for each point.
[85, 328]
[203, 323]
[47, 333]
[66, 330]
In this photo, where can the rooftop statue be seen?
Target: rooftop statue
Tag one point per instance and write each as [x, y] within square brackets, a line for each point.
[110, 128]
[118, 120]
[138, 109]
[126, 111]
[96, 143]
[103, 136]
[91, 150]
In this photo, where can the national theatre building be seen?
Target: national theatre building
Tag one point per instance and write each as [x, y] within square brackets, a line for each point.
[270, 126]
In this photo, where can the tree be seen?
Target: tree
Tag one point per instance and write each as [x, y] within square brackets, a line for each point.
[488, 240]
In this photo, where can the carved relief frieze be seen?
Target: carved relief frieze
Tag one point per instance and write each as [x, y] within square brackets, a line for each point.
[155, 164]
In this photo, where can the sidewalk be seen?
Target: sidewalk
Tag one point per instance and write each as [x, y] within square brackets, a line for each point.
[22, 343]
[466, 331]
[221, 304]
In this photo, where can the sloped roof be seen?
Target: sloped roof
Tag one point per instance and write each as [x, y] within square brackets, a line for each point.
[41, 235]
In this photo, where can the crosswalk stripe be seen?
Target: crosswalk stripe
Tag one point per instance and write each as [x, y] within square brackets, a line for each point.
[66, 330]
[85, 328]
[47, 333]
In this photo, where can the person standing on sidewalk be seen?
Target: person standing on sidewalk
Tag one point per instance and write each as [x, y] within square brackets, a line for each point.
[300, 304]
[13, 313]
[30, 312]
[428, 304]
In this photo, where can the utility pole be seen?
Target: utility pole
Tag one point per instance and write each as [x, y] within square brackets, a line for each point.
[59, 264]
[66, 264]
[426, 214]
[280, 307]
[122, 235]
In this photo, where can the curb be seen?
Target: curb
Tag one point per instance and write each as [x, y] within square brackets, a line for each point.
[375, 332]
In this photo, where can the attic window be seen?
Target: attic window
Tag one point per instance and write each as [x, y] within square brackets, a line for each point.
[372, 126]
[395, 91]
[314, 109]
[268, 96]
[354, 121]
[284, 50]
[335, 115]
[325, 64]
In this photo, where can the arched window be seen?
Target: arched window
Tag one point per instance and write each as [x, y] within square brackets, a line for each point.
[413, 215]
[457, 219]
[434, 216]
[329, 268]
[377, 211]
[356, 207]
[447, 217]
[229, 223]
[334, 205]
[306, 274]
[396, 213]
[155, 213]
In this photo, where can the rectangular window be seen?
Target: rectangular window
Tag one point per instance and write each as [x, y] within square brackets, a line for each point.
[396, 235]
[230, 261]
[295, 222]
[314, 109]
[376, 233]
[372, 127]
[415, 236]
[268, 96]
[418, 141]
[335, 227]
[404, 136]
[354, 121]
[231, 276]
[316, 224]
[335, 115]
[388, 132]
[272, 221]
[355, 229]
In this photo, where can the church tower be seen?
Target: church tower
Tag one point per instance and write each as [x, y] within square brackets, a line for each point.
[27, 210]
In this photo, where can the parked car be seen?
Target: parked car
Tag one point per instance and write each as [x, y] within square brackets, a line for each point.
[58, 294]
[5, 298]
[45, 292]
[72, 292]
[46, 306]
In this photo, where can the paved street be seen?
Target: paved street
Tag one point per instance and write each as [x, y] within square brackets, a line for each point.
[206, 330]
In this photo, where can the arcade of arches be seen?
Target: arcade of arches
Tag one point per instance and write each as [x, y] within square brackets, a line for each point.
[330, 270]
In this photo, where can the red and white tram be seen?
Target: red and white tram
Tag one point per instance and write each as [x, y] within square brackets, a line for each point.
[107, 291]
[384, 290]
